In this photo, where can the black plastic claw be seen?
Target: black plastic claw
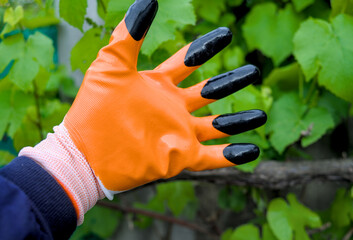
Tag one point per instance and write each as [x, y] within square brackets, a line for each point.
[139, 17]
[239, 122]
[205, 47]
[241, 153]
[227, 83]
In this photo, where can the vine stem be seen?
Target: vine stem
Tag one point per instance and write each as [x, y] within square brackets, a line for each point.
[158, 216]
[348, 235]
[39, 118]
[103, 6]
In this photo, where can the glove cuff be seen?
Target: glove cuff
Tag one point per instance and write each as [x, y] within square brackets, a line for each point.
[60, 157]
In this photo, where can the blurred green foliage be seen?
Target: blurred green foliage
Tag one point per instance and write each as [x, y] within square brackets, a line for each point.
[304, 49]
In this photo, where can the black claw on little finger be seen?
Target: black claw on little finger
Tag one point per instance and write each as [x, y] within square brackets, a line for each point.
[241, 153]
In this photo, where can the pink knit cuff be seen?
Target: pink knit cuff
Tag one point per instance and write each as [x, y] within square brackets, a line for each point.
[60, 157]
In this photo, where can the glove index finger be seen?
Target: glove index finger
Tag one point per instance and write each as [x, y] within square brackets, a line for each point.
[193, 55]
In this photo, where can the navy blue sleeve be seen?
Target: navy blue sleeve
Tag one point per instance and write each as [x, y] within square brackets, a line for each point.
[32, 204]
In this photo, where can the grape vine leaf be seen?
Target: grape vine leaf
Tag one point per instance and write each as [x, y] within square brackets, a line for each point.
[11, 48]
[5, 157]
[321, 121]
[99, 221]
[245, 232]
[37, 50]
[267, 233]
[326, 50]
[13, 16]
[271, 30]
[73, 12]
[342, 209]
[337, 107]
[288, 220]
[232, 198]
[172, 15]
[233, 58]
[177, 195]
[86, 49]
[210, 10]
[13, 109]
[341, 6]
[40, 47]
[289, 117]
[23, 72]
[285, 78]
[102, 8]
[299, 5]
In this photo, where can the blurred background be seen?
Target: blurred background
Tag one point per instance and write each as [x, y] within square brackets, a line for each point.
[301, 185]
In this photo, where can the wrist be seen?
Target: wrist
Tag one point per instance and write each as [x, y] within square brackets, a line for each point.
[60, 157]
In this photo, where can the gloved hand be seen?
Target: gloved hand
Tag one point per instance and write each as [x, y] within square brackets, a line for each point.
[135, 127]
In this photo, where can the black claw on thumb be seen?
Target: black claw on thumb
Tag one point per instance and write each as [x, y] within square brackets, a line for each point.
[139, 17]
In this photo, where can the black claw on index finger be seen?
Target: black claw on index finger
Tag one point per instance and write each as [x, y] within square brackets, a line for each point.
[227, 83]
[205, 47]
[139, 17]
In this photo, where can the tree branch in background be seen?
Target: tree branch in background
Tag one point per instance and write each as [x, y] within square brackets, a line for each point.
[276, 175]
[155, 215]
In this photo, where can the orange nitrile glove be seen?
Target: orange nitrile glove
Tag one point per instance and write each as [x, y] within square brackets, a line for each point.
[136, 127]
[127, 128]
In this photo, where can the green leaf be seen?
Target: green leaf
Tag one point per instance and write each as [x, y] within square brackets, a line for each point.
[342, 209]
[102, 7]
[86, 49]
[227, 234]
[271, 30]
[40, 47]
[341, 6]
[11, 48]
[171, 15]
[5, 157]
[234, 3]
[290, 220]
[233, 58]
[299, 5]
[73, 12]
[13, 109]
[267, 233]
[12, 16]
[246, 232]
[99, 221]
[177, 195]
[116, 11]
[284, 121]
[320, 121]
[28, 134]
[52, 114]
[289, 118]
[210, 10]
[23, 72]
[232, 198]
[285, 78]
[222, 106]
[337, 107]
[325, 50]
